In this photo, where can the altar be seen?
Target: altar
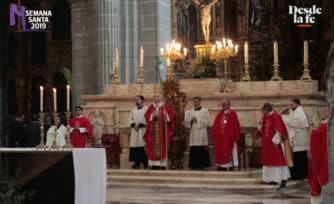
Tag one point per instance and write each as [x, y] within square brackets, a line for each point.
[68, 176]
[247, 98]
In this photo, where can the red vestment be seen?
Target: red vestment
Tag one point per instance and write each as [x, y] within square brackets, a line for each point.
[155, 132]
[225, 132]
[271, 155]
[318, 167]
[80, 127]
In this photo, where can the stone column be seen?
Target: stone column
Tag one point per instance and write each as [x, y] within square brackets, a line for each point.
[328, 191]
[155, 31]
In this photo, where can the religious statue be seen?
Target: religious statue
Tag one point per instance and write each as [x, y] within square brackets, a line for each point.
[258, 13]
[98, 124]
[206, 17]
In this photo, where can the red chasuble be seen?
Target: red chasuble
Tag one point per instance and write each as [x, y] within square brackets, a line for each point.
[271, 155]
[318, 167]
[225, 132]
[155, 132]
[81, 127]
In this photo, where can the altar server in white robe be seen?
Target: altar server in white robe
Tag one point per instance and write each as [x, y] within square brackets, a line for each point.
[297, 125]
[197, 119]
[59, 136]
[138, 127]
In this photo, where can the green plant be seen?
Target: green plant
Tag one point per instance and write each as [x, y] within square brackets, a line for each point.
[205, 67]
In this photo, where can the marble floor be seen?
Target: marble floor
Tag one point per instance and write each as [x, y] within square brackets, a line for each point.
[134, 195]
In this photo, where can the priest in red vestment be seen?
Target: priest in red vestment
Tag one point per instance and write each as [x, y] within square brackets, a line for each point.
[273, 134]
[154, 136]
[318, 166]
[80, 128]
[225, 133]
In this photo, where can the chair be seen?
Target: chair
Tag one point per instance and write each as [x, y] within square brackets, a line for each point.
[113, 149]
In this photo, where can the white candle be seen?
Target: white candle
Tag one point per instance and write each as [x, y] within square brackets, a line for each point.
[168, 62]
[41, 89]
[141, 57]
[246, 53]
[54, 100]
[185, 51]
[305, 52]
[275, 52]
[67, 98]
[116, 57]
[236, 49]
[161, 52]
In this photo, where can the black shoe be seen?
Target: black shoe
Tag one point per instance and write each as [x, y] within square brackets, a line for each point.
[272, 183]
[282, 186]
[231, 168]
[221, 169]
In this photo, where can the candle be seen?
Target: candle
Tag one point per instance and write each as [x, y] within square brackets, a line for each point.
[246, 53]
[275, 53]
[116, 57]
[141, 56]
[305, 52]
[67, 98]
[236, 48]
[161, 52]
[168, 62]
[185, 51]
[41, 89]
[54, 100]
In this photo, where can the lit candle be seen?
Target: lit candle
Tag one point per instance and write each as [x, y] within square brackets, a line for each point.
[224, 42]
[67, 98]
[116, 57]
[168, 62]
[305, 52]
[185, 51]
[41, 89]
[246, 53]
[161, 52]
[236, 48]
[275, 53]
[141, 59]
[54, 100]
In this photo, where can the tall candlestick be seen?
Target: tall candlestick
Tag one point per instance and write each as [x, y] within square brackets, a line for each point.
[41, 89]
[54, 100]
[275, 52]
[67, 98]
[246, 53]
[305, 52]
[168, 62]
[116, 57]
[141, 59]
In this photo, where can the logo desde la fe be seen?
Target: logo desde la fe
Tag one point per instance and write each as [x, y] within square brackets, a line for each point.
[28, 20]
[304, 16]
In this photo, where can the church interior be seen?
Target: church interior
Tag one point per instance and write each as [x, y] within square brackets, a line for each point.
[99, 55]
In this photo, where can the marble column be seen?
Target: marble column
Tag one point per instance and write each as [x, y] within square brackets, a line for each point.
[328, 190]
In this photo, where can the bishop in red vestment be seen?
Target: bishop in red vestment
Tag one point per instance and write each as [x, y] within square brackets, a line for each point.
[318, 166]
[80, 128]
[225, 133]
[273, 133]
[154, 136]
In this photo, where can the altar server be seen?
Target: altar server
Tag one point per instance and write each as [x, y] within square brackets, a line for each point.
[297, 124]
[197, 119]
[59, 136]
[80, 128]
[138, 127]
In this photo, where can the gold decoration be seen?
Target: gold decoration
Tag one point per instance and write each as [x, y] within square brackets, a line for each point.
[246, 76]
[41, 143]
[68, 144]
[276, 76]
[140, 75]
[224, 50]
[173, 52]
[115, 78]
[306, 73]
[54, 145]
